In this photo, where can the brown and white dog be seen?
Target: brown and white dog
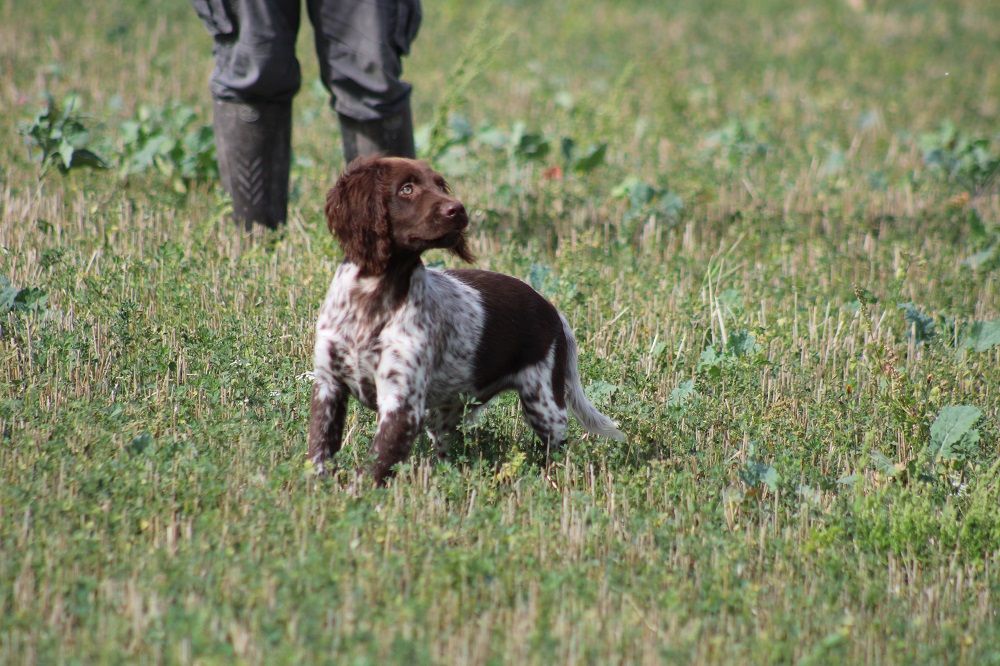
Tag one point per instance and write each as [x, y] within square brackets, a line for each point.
[418, 344]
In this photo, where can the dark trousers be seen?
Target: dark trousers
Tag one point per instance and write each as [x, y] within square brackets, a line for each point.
[359, 44]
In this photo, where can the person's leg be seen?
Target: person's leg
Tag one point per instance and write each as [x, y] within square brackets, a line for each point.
[360, 44]
[255, 77]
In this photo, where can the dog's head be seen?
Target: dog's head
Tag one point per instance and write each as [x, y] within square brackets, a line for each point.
[385, 208]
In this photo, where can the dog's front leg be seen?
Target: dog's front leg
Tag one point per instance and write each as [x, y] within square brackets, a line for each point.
[393, 440]
[326, 422]
[401, 384]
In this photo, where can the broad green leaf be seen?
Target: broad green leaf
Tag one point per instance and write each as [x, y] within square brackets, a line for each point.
[591, 158]
[641, 194]
[140, 443]
[849, 480]
[982, 335]
[882, 463]
[770, 478]
[918, 324]
[66, 151]
[599, 390]
[682, 394]
[8, 293]
[975, 261]
[670, 205]
[86, 157]
[459, 129]
[885, 465]
[755, 473]
[75, 134]
[622, 189]
[952, 425]
[810, 494]
[742, 343]
[532, 146]
[31, 299]
[709, 358]
[732, 299]
[539, 276]
[567, 146]
[492, 137]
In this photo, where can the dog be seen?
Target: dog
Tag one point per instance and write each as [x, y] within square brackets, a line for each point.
[417, 344]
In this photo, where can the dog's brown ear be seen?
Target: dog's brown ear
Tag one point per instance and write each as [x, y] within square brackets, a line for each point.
[357, 215]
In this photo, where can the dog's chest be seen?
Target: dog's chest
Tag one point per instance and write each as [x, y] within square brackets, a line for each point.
[348, 351]
[348, 344]
[429, 341]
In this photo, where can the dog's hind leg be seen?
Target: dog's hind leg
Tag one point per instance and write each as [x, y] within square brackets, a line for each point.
[544, 405]
[542, 389]
[547, 419]
[442, 427]
[444, 424]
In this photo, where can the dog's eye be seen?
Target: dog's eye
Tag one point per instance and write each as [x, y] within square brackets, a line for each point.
[406, 190]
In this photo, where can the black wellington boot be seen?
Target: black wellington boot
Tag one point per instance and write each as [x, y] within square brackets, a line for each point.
[391, 136]
[253, 147]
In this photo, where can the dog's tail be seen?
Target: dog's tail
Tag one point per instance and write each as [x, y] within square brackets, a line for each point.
[588, 416]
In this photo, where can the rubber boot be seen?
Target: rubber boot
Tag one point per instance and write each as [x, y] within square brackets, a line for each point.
[253, 145]
[391, 136]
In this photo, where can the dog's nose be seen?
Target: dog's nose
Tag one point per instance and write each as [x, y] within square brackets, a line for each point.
[453, 209]
[454, 212]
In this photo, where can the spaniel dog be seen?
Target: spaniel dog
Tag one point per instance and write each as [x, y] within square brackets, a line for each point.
[417, 344]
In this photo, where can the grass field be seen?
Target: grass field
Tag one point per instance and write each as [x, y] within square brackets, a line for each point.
[775, 228]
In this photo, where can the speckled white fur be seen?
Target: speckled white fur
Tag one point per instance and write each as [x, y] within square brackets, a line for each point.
[418, 356]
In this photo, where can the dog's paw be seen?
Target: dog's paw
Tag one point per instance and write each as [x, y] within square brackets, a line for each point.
[320, 468]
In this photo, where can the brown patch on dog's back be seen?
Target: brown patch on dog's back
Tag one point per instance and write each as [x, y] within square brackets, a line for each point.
[519, 329]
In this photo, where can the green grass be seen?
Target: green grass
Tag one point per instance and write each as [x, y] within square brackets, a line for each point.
[776, 183]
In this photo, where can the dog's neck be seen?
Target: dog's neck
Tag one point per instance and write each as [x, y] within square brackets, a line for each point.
[387, 290]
